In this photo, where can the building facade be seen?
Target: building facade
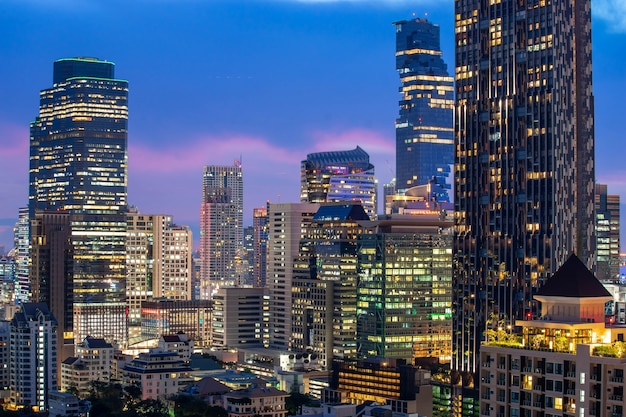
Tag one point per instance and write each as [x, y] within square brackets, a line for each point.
[158, 261]
[607, 234]
[404, 289]
[260, 222]
[255, 401]
[78, 164]
[424, 127]
[524, 174]
[286, 224]
[221, 226]
[239, 317]
[22, 254]
[93, 362]
[164, 316]
[324, 286]
[32, 357]
[158, 374]
[339, 177]
[564, 362]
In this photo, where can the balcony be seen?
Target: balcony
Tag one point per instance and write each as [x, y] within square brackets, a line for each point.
[619, 379]
[616, 397]
[527, 369]
[537, 404]
[570, 375]
[570, 392]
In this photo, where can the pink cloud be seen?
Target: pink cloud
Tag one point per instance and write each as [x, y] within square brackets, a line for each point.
[13, 168]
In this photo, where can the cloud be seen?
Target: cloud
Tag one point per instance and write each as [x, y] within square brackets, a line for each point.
[611, 11]
[13, 168]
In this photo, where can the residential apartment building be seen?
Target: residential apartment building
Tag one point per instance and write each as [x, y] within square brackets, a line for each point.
[158, 374]
[256, 401]
[93, 361]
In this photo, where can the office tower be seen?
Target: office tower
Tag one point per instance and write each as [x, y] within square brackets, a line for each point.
[404, 291]
[524, 175]
[260, 221]
[325, 283]
[607, 234]
[339, 177]
[158, 261]
[21, 242]
[221, 226]
[78, 164]
[33, 357]
[424, 127]
[286, 224]
[567, 362]
[238, 317]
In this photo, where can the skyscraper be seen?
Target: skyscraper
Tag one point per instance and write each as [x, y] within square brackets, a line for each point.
[260, 233]
[424, 127]
[608, 227]
[524, 174]
[78, 164]
[221, 226]
[158, 261]
[287, 222]
[339, 177]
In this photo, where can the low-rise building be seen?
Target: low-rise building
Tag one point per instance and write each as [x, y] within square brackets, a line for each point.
[256, 401]
[178, 343]
[565, 363]
[158, 374]
[93, 362]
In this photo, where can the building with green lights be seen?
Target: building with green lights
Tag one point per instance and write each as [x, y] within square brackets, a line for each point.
[404, 298]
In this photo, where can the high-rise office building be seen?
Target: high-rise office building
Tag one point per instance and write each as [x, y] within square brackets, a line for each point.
[158, 261]
[260, 233]
[33, 357]
[424, 127]
[221, 226]
[607, 230]
[324, 287]
[524, 161]
[287, 222]
[339, 177]
[78, 164]
[404, 292]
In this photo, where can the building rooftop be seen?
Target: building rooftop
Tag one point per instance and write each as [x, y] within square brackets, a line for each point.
[256, 392]
[94, 343]
[573, 279]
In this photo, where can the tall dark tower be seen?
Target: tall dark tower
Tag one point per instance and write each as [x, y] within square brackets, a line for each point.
[524, 159]
[424, 128]
[78, 166]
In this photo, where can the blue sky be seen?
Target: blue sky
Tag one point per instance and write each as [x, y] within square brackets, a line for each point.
[269, 81]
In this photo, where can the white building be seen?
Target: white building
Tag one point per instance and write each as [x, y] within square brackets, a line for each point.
[158, 374]
[93, 362]
[238, 317]
[254, 401]
[33, 357]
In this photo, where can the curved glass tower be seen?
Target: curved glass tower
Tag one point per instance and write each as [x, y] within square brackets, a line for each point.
[424, 127]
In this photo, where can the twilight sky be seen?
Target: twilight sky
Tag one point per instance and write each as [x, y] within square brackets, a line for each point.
[267, 80]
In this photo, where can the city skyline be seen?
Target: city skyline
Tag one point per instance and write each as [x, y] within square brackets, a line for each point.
[335, 58]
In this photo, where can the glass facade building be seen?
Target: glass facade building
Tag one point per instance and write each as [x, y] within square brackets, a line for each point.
[78, 165]
[524, 160]
[404, 290]
[424, 127]
[339, 177]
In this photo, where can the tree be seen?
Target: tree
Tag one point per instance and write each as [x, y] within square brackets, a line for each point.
[295, 401]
